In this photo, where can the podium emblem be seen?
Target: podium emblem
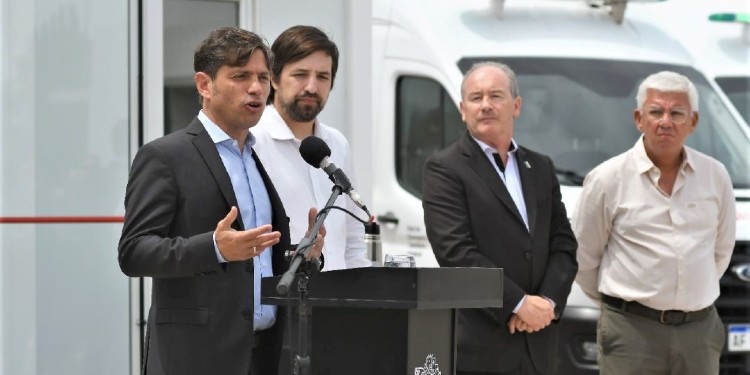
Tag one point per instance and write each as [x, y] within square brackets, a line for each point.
[430, 367]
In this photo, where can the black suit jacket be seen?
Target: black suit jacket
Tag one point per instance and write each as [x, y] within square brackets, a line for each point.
[201, 317]
[471, 221]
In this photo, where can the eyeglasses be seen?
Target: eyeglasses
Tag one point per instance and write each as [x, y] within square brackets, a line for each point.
[677, 116]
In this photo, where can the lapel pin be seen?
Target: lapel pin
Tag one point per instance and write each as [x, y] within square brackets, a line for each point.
[526, 163]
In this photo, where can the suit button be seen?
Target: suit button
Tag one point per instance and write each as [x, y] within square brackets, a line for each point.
[249, 267]
[247, 314]
[527, 255]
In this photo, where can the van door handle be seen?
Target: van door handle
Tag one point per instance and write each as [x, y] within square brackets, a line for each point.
[388, 218]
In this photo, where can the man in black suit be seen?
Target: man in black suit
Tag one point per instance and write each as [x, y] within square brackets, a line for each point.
[490, 203]
[203, 219]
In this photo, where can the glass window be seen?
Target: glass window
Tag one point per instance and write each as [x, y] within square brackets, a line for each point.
[738, 91]
[64, 120]
[186, 24]
[427, 120]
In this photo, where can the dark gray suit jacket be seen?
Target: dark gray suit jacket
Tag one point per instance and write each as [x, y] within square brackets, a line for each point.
[201, 317]
[471, 221]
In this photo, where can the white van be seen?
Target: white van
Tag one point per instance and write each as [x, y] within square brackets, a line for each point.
[578, 68]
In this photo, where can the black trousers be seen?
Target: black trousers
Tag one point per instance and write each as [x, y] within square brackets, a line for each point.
[266, 353]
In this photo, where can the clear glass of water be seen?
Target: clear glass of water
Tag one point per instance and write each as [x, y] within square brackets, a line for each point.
[399, 261]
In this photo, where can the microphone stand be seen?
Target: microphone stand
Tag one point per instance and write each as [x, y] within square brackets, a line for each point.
[302, 359]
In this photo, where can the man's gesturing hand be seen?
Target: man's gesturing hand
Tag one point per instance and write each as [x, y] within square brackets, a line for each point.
[317, 247]
[237, 245]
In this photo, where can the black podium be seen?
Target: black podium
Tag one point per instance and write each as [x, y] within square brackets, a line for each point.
[388, 321]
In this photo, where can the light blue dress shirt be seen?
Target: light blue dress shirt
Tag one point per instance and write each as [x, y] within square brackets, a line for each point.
[511, 177]
[254, 205]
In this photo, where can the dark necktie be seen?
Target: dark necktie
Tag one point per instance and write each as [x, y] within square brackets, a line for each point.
[499, 162]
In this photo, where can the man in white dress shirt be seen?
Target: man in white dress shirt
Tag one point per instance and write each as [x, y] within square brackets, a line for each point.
[302, 75]
[656, 229]
[305, 64]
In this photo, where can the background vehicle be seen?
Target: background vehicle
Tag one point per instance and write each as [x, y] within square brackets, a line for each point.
[578, 70]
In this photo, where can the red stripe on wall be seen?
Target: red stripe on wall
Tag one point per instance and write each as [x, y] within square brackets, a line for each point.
[59, 219]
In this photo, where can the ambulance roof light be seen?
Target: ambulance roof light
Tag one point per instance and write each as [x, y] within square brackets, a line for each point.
[741, 18]
[617, 10]
[730, 17]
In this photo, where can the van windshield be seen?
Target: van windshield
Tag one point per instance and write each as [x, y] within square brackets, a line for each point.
[580, 113]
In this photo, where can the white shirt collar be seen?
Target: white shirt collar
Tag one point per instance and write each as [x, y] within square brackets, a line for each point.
[279, 130]
[489, 150]
[644, 164]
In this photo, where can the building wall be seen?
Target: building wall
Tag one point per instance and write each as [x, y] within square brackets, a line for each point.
[63, 157]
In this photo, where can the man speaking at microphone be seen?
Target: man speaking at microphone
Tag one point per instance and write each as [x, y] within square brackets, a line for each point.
[203, 220]
[303, 73]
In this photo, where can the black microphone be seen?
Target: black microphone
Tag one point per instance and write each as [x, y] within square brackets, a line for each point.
[316, 152]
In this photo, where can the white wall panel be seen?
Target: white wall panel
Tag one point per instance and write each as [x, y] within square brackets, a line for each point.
[64, 154]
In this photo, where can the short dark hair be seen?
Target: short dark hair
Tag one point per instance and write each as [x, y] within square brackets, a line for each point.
[298, 42]
[230, 46]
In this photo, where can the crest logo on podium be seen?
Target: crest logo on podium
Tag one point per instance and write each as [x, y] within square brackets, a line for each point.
[430, 367]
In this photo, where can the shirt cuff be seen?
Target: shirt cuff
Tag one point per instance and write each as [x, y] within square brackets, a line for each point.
[554, 305]
[218, 253]
[518, 306]
[550, 301]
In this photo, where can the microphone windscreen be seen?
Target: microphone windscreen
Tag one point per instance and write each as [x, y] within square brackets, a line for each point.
[313, 150]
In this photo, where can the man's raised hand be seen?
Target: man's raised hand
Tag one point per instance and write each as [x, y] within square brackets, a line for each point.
[237, 245]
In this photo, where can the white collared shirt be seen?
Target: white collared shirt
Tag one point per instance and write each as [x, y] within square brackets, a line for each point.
[301, 186]
[637, 243]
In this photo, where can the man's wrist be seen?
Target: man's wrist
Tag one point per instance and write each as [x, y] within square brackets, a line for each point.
[551, 302]
[554, 305]
[520, 303]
